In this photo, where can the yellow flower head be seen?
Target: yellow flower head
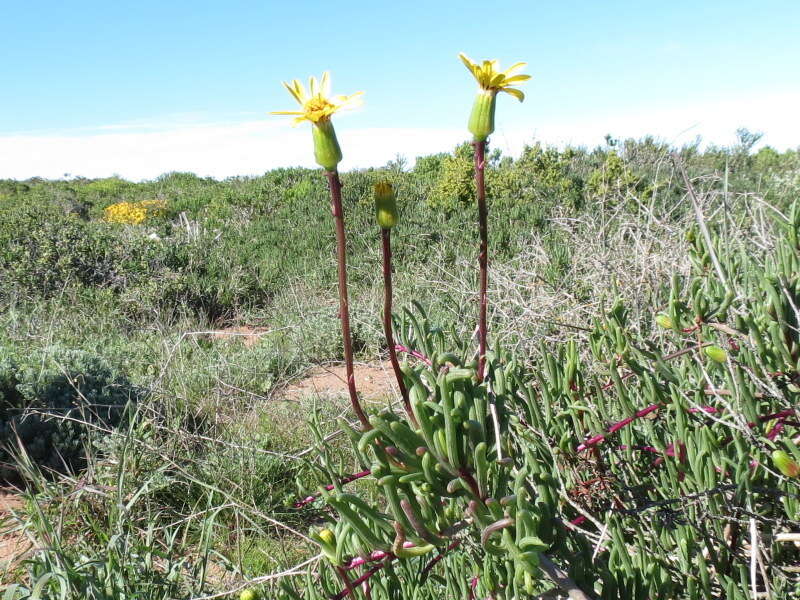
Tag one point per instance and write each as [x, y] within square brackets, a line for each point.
[490, 78]
[490, 81]
[318, 105]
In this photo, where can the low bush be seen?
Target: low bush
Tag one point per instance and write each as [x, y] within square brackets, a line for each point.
[51, 408]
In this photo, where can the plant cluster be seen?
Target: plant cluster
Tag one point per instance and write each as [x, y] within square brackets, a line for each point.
[656, 466]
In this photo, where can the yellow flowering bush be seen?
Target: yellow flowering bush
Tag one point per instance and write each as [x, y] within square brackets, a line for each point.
[134, 213]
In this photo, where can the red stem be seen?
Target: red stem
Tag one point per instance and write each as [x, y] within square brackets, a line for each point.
[363, 578]
[387, 319]
[436, 559]
[329, 487]
[616, 427]
[645, 411]
[483, 255]
[414, 353]
[335, 186]
[389, 558]
[349, 587]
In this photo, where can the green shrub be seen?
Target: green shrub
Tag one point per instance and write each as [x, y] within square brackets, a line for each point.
[614, 180]
[43, 250]
[53, 411]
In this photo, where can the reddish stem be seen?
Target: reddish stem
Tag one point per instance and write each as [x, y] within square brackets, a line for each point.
[436, 559]
[645, 411]
[616, 427]
[329, 487]
[483, 255]
[335, 186]
[387, 319]
[776, 430]
[349, 587]
[389, 558]
[414, 353]
[373, 556]
[363, 578]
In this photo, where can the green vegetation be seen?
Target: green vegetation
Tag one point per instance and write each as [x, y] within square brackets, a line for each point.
[162, 461]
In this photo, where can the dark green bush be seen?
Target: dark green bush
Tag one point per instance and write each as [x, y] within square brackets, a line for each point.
[43, 250]
[55, 409]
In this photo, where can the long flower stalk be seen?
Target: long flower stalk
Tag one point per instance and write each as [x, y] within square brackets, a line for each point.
[483, 253]
[386, 240]
[387, 216]
[335, 186]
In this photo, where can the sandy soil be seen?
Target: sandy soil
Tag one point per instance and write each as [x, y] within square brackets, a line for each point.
[372, 382]
[13, 546]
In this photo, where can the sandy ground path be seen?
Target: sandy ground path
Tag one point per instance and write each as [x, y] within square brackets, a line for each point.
[13, 545]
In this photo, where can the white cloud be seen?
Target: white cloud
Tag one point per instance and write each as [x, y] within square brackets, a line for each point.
[216, 150]
[145, 150]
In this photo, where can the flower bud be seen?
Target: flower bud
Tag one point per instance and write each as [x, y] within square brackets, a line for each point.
[481, 120]
[326, 535]
[326, 147]
[385, 205]
[784, 463]
[716, 353]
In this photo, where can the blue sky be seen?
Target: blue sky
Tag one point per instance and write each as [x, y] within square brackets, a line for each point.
[95, 88]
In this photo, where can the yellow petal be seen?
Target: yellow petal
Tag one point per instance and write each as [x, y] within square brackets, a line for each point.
[312, 85]
[287, 112]
[514, 92]
[516, 79]
[354, 99]
[471, 66]
[513, 68]
[326, 84]
[496, 80]
[466, 60]
[298, 94]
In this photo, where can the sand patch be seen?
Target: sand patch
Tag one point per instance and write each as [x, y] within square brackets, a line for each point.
[372, 382]
[14, 546]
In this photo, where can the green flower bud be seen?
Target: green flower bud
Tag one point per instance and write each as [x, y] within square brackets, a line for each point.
[385, 205]
[784, 463]
[481, 120]
[248, 595]
[716, 353]
[664, 321]
[326, 147]
[327, 543]
[327, 536]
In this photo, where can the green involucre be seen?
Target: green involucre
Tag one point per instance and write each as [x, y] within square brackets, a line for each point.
[385, 205]
[326, 147]
[481, 120]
